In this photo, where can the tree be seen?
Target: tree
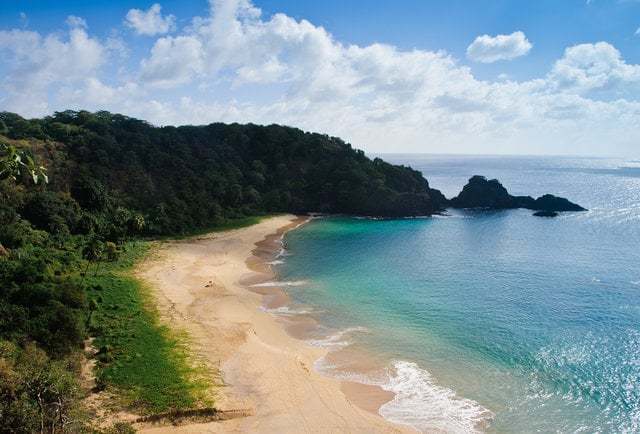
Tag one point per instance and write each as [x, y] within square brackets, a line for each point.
[14, 163]
[92, 252]
[38, 394]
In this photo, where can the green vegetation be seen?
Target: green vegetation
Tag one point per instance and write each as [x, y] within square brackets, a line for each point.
[37, 394]
[147, 362]
[237, 223]
[14, 165]
[111, 181]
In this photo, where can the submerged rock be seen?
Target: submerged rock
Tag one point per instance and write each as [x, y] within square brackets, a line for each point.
[545, 214]
[481, 193]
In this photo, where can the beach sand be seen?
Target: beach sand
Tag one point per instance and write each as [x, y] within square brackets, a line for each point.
[201, 287]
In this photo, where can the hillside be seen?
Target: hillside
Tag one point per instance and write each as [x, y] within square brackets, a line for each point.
[112, 180]
[178, 179]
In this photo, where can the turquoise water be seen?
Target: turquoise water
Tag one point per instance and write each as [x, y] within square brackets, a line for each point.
[486, 321]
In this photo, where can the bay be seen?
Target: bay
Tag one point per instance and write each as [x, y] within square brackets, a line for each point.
[486, 321]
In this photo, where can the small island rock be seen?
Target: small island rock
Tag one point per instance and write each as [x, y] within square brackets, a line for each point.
[480, 193]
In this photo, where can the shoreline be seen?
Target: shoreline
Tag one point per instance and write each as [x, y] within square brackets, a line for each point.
[368, 397]
[202, 286]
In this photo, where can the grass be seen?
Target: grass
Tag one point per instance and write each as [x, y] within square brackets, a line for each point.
[146, 363]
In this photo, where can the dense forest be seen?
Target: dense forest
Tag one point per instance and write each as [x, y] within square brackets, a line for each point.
[180, 178]
[76, 186]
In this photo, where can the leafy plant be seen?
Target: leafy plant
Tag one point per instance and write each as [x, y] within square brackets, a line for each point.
[14, 163]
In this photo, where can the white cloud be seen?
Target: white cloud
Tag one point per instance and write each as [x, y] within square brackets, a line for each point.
[488, 49]
[37, 63]
[92, 92]
[235, 65]
[75, 22]
[150, 22]
[51, 58]
[173, 61]
[594, 67]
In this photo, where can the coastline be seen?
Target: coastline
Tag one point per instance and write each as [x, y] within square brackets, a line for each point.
[202, 286]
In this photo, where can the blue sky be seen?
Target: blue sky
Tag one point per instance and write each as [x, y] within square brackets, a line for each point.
[439, 76]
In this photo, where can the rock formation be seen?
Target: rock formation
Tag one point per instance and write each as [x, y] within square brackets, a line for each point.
[480, 193]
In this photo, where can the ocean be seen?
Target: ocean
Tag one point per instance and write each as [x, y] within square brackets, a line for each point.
[485, 321]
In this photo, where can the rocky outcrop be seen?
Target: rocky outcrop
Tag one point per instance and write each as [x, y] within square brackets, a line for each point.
[549, 202]
[545, 214]
[480, 193]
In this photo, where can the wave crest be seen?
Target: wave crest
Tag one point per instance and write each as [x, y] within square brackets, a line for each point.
[424, 405]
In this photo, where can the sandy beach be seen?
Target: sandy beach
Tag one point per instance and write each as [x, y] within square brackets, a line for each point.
[201, 287]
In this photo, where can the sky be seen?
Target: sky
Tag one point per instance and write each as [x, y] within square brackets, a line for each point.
[536, 77]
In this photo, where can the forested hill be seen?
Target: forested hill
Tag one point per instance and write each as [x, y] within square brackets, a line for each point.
[113, 179]
[175, 179]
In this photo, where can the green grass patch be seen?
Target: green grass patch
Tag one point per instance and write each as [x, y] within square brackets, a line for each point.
[146, 363]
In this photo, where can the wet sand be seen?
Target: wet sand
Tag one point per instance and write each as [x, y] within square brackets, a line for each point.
[203, 286]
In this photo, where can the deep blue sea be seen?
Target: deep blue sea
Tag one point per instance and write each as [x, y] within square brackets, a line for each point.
[485, 321]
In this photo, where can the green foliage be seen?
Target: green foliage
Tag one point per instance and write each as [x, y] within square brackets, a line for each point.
[51, 212]
[37, 303]
[238, 223]
[90, 194]
[37, 394]
[145, 362]
[129, 178]
[14, 164]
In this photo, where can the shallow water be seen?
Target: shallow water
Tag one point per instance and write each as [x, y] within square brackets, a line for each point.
[485, 321]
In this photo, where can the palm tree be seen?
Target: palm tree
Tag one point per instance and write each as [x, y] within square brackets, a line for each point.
[92, 251]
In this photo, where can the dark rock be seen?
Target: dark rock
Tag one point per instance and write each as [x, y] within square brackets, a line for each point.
[490, 194]
[549, 202]
[545, 214]
[482, 193]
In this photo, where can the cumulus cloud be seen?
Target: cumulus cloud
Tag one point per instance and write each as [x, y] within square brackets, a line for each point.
[150, 22]
[36, 63]
[36, 60]
[489, 49]
[173, 61]
[591, 67]
[236, 65]
[92, 92]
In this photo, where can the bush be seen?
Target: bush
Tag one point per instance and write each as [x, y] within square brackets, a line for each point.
[36, 393]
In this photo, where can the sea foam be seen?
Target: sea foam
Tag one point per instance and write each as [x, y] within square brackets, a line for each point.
[280, 284]
[288, 311]
[419, 402]
[426, 406]
[337, 340]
